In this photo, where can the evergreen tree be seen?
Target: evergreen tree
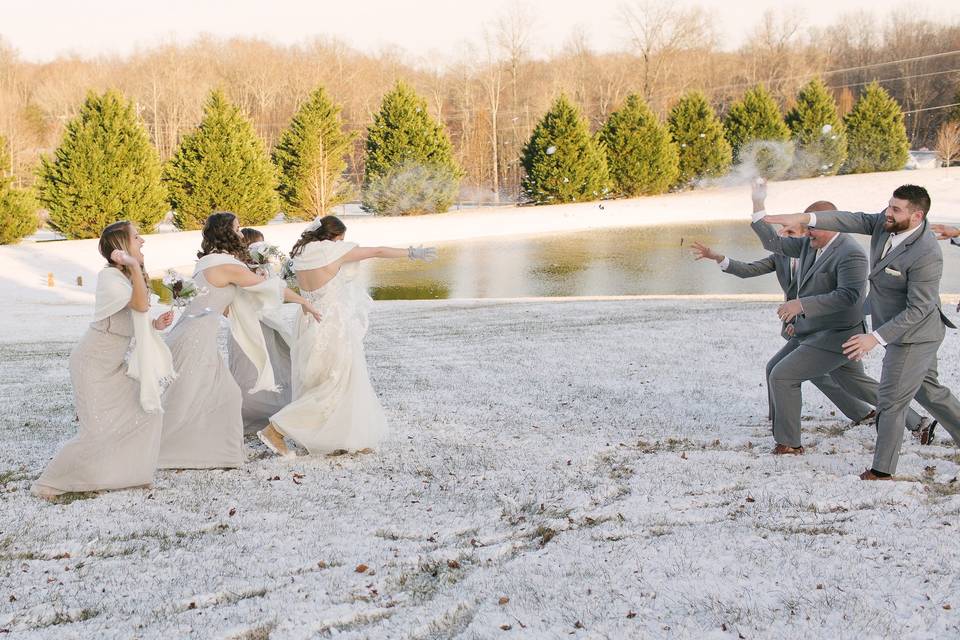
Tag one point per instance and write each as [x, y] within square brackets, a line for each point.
[222, 166]
[410, 167]
[877, 137]
[698, 133]
[104, 170]
[18, 210]
[310, 159]
[758, 135]
[642, 158]
[818, 132]
[563, 162]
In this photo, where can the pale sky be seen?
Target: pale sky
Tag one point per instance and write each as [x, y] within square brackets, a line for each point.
[429, 30]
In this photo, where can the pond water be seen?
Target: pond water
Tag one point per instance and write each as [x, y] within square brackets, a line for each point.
[634, 261]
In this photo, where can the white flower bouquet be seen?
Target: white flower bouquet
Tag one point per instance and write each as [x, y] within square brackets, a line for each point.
[263, 254]
[182, 289]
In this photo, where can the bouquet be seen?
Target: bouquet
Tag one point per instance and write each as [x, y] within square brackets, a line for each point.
[288, 274]
[182, 289]
[265, 256]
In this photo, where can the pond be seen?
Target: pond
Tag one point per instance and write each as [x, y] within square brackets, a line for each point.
[633, 261]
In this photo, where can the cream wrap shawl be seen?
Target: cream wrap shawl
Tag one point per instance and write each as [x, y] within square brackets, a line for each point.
[150, 362]
[244, 317]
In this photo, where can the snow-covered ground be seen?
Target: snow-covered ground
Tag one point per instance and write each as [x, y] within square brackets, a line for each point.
[591, 469]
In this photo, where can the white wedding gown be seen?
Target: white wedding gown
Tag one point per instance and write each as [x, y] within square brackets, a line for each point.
[334, 405]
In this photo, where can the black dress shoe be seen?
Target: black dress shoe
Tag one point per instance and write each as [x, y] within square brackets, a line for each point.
[867, 418]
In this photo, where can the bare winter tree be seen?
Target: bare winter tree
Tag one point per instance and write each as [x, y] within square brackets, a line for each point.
[514, 35]
[948, 142]
[659, 33]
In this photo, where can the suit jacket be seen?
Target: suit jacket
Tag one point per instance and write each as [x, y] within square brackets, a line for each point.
[831, 289]
[904, 285]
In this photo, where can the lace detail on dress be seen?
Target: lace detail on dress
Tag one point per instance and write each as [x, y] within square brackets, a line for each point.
[334, 405]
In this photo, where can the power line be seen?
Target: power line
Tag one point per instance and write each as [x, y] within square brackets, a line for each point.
[836, 71]
[881, 81]
[942, 106]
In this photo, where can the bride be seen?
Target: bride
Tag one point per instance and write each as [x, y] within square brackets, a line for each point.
[335, 407]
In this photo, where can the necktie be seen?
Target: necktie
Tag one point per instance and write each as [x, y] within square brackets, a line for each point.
[886, 247]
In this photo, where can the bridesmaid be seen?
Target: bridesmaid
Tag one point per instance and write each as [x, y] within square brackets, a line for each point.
[203, 424]
[118, 404]
[258, 407]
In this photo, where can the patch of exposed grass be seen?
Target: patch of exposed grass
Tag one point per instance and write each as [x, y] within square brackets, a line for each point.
[13, 475]
[73, 496]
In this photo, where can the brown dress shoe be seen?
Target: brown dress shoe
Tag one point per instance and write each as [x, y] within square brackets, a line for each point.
[784, 450]
[924, 432]
[867, 418]
[870, 475]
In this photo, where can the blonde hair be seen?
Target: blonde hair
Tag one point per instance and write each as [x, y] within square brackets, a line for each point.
[117, 236]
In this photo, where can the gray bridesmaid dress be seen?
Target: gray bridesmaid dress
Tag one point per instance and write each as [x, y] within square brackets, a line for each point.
[202, 425]
[117, 442]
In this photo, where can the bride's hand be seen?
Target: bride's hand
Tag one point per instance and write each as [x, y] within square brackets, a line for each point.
[308, 309]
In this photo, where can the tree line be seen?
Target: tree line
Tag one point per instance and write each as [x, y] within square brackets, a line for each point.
[489, 101]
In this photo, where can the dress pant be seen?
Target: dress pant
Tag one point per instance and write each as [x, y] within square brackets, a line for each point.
[910, 370]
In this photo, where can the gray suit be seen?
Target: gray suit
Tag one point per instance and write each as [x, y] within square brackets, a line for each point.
[851, 407]
[832, 291]
[905, 312]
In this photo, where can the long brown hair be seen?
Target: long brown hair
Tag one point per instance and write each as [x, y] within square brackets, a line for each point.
[117, 236]
[330, 227]
[219, 237]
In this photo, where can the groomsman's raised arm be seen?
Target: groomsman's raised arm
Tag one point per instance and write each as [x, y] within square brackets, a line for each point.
[796, 224]
[785, 246]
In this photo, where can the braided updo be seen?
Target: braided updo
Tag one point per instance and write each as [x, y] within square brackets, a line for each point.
[329, 228]
[220, 237]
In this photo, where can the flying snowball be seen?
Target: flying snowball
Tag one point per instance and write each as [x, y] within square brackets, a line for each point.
[551, 151]
[826, 129]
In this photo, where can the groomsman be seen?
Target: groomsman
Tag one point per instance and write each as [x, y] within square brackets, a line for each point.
[856, 410]
[906, 265]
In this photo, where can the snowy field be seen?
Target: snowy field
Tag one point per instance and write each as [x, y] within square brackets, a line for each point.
[586, 469]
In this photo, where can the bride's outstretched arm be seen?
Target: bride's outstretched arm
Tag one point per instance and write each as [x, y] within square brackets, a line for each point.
[414, 253]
